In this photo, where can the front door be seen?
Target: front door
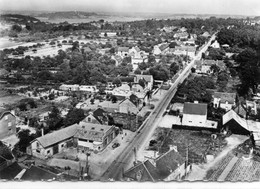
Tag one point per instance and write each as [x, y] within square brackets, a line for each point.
[55, 149]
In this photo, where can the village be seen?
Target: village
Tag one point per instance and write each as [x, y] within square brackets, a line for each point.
[73, 105]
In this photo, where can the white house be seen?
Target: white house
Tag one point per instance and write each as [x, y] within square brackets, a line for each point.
[123, 51]
[194, 114]
[224, 100]
[69, 87]
[148, 80]
[88, 88]
[127, 106]
[215, 45]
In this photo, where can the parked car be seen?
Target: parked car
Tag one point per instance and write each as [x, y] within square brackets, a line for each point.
[115, 145]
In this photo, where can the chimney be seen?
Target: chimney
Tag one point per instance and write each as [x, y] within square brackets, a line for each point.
[42, 131]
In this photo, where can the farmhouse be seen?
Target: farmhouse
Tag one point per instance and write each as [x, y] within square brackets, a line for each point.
[224, 100]
[194, 114]
[7, 124]
[167, 167]
[83, 135]
[148, 80]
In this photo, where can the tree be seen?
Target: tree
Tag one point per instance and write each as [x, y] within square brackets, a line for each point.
[113, 99]
[117, 81]
[105, 34]
[137, 71]
[16, 28]
[74, 116]
[142, 82]
[24, 139]
[174, 68]
[54, 120]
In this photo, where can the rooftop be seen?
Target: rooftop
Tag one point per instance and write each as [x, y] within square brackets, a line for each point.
[195, 108]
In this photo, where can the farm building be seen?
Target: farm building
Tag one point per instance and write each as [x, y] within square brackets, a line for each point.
[82, 135]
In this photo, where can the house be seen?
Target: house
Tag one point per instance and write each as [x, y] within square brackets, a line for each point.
[185, 50]
[148, 79]
[237, 125]
[204, 66]
[82, 135]
[215, 45]
[127, 106]
[194, 114]
[52, 143]
[123, 51]
[94, 136]
[6, 156]
[88, 88]
[35, 173]
[109, 106]
[99, 116]
[7, 124]
[135, 52]
[137, 88]
[206, 34]
[167, 167]
[69, 87]
[181, 35]
[224, 100]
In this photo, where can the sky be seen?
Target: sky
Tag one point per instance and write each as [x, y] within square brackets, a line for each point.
[230, 7]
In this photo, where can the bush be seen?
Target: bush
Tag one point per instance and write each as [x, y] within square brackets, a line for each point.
[152, 106]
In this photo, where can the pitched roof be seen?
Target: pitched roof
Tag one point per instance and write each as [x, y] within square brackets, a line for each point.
[168, 162]
[164, 166]
[195, 108]
[232, 115]
[225, 97]
[2, 114]
[10, 172]
[123, 49]
[91, 131]
[143, 171]
[37, 173]
[57, 136]
[163, 47]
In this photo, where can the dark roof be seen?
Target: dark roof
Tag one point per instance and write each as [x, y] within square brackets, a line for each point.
[141, 172]
[165, 165]
[99, 114]
[134, 99]
[225, 97]
[11, 171]
[195, 108]
[2, 114]
[168, 162]
[5, 152]
[36, 173]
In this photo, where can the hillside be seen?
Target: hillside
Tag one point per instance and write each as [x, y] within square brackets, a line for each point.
[67, 15]
[17, 18]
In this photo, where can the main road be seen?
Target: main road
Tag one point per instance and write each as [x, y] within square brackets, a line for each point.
[144, 133]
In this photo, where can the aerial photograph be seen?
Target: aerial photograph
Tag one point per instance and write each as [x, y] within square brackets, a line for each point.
[130, 90]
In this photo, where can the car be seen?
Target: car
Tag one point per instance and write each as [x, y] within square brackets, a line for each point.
[115, 145]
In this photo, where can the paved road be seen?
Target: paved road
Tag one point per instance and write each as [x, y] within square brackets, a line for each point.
[126, 158]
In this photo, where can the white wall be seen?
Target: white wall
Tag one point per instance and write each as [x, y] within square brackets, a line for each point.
[194, 120]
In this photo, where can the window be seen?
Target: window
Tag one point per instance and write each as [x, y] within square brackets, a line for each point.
[190, 121]
[89, 119]
[38, 151]
[91, 141]
[48, 151]
[200, 122]
[62, 145]
[37, 145]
